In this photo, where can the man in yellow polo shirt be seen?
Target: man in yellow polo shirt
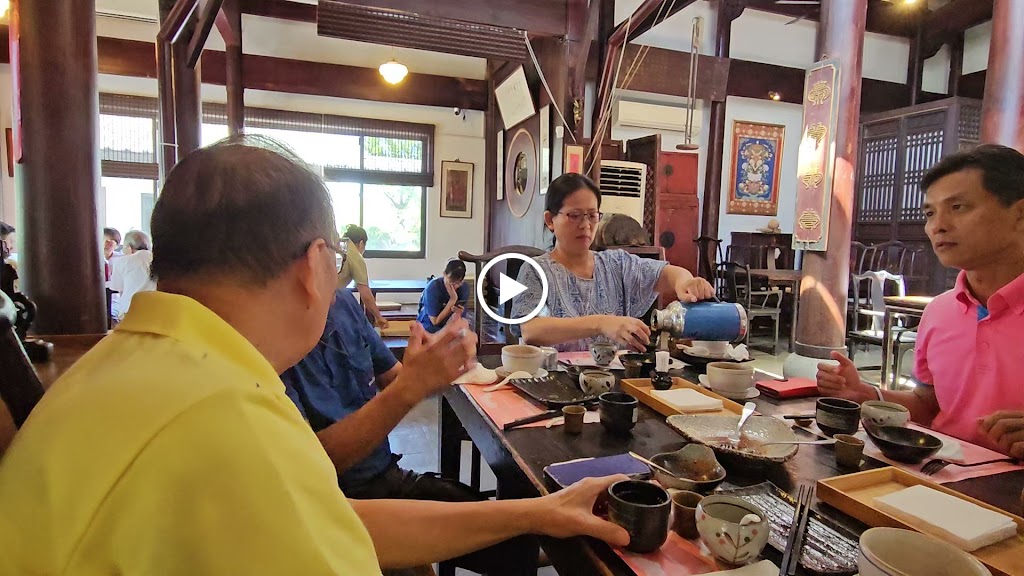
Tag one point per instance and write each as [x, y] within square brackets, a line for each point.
[171, 448]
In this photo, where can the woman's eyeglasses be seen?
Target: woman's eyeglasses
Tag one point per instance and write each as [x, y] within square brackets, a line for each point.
[577, 217]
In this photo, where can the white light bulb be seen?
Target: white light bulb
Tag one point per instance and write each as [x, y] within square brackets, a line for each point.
[393, 71]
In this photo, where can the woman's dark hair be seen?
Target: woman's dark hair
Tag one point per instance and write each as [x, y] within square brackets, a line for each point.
[564, 186]
[455, 269]
[355, 233]
[5, 229]
[1002, 170]
[243, 208]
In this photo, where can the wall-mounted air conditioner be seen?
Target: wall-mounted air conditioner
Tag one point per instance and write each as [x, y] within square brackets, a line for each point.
[623, 187]
[655, 116]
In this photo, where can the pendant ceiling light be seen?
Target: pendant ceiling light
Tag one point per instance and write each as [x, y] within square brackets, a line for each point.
[5, 5]
[392, 71]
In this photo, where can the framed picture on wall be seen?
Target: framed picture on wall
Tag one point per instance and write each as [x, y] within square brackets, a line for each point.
[456, 189]
[756, 166]
[573, 159]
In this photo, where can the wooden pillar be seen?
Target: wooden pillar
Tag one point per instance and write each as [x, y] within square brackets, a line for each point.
[56, 117]
[188, 115]
[229, 24]
[956, 65]
[821, 326]
[727, 11]
[915, 63]
[1002, 115]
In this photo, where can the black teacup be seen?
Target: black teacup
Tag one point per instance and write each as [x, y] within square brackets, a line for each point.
[619, 411]
[837, 416]
[643, 509]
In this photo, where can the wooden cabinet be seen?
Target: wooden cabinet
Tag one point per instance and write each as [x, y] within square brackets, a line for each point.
[750, 248]
[896, 149]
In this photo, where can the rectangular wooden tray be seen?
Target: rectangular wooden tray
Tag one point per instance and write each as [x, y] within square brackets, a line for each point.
[641, 389]
[855, 494]
[397, 329]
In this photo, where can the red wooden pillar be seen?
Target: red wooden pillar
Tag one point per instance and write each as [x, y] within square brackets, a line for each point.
[56, 115]
[229, 23]
[821, 325]
[1002, 116]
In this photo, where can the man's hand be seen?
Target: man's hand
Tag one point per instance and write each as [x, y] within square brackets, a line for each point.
[432, 362]
[694, 290]
[629, 332]
[1006, 429]
[843, 381]
[570, 512]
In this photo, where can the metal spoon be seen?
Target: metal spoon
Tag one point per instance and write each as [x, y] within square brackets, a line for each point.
[653, 465]
[748, 409]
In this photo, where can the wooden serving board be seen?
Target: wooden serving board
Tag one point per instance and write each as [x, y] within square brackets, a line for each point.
[855, 495]
[397, 329]
[641, 389]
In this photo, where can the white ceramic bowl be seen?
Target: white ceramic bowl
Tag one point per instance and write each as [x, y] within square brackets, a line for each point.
[895, 552]
[730, 377]
[884, 413]
[522, 357]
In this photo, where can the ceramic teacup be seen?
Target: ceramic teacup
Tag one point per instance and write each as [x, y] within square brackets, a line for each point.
[849, 450]
[643, 509]
[734, 530]
[730, 377]
[550, 355]
[837, 416]
[520, 357]
[596, 382]
[619, 412]
[602, 353]
[684, 513]
[879, 413]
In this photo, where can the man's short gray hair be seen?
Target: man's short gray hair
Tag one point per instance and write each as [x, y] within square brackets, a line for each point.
[136, 240]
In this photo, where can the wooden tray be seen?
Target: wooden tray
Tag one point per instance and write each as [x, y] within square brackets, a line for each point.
[855, 494]
[641, 389]
[397, 329]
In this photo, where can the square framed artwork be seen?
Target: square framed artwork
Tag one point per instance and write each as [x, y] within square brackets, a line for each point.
[456, 189]
[756, 166]
[573, 159]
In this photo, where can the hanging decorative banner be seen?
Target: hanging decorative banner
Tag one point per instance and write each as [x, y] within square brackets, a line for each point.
[816, 157]
[756, 164]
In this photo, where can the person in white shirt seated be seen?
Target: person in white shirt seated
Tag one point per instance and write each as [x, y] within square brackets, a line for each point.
[130, 272]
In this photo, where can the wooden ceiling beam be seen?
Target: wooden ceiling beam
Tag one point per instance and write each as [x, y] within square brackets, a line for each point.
[943, 25]
[653, 18]
[882, 19]
[122, 57]
[538, 17]
[282, 9]
[207, 18]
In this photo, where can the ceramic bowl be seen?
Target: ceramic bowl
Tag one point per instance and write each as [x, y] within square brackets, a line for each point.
[904, 444]
[596, 382]
[837, 416]
[602, 353]
[729, 377]
[878, 413]
[720, 523]
[714, 430]
[522, 357]
[695, 467]
[895, 552]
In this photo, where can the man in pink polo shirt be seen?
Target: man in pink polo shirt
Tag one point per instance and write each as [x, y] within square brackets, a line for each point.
[967, 353]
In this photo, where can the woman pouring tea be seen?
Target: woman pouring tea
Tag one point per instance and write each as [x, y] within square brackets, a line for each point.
[594, 296]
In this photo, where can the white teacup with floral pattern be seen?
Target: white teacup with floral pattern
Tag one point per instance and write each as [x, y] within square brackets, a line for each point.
[733, 530]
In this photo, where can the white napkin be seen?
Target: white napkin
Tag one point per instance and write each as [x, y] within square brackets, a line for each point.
[477, 375]
[738, 352]
[762, 568]
[959, 522]
[688, 400]
[661, 360]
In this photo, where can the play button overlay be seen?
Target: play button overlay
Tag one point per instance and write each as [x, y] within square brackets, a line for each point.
[509, 288]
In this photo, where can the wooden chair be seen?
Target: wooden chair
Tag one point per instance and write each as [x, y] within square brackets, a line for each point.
[705, 267]
[737, 287]
[869, 291]
[20, 388]
[652, 252]
[512, 271]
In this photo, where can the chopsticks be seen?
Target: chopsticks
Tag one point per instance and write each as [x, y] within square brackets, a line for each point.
[797, 531]
[531, 419]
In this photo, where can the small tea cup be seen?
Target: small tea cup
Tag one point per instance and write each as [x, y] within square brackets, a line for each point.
[596, 382]
[602, 353]
[837, 416]
[643, 509]
[734, 530]
[879, 413]
[619, 412]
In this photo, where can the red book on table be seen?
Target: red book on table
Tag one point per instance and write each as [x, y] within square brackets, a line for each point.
[791, 388]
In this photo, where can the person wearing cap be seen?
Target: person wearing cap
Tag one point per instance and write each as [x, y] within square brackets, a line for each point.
[354, 270]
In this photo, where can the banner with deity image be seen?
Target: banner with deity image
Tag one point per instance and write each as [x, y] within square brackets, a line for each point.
[756, 163]
[816, 157]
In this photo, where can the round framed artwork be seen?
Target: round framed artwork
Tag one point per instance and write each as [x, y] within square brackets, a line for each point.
[521, 173]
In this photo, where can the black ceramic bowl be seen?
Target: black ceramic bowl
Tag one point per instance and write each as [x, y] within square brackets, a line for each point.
[904, 444]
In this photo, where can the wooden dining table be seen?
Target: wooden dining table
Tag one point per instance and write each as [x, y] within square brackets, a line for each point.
[518, 457]
[784, 278]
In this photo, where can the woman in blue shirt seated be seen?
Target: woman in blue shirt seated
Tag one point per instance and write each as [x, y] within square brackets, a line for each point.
[594, 296]
[444, 297]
